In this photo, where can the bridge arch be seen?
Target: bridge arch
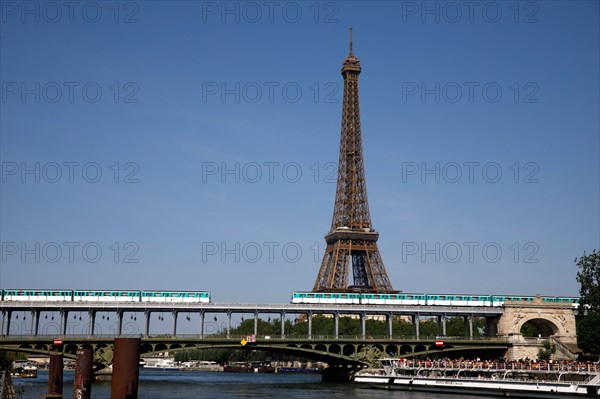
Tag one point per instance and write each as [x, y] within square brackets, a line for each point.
[544, 327]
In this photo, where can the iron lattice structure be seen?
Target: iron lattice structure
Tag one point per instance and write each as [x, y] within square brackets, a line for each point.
[352, 241]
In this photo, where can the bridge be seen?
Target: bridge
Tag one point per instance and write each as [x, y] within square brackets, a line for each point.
[349, 351]
[503, 326]
[121, 309]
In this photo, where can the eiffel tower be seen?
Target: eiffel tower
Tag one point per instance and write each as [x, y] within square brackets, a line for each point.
[351, 242]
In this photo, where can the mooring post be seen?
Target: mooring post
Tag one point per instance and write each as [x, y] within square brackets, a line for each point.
[83, 374]
[55, 376]
[126, 368]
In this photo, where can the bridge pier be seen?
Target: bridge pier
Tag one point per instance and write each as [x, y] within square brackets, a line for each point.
[282, 324]
[147, 316]
[92, 319]
[175, 314]
[35, 319]
[390, 327]
[64, 318]
[442, 324]
[336, 325]
[416, 320]
[309, 319]
[202, 324]
[255, 323]
[228, 324]
[491, 326]
[363, 325]
[119, 322]
[468, 323]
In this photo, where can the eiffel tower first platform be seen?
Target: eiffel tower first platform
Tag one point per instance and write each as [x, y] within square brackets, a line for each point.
[352, 241]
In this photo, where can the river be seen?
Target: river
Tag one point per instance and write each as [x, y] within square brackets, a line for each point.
[216, 385]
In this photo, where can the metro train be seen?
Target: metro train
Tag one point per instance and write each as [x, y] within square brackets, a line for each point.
[419, 299]
[105, 296]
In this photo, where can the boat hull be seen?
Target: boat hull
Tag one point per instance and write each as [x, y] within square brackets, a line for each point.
[505, 389]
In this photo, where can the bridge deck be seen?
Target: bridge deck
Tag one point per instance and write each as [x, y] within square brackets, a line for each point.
[251, 308]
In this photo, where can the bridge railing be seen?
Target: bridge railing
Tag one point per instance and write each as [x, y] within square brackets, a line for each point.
[501, 366]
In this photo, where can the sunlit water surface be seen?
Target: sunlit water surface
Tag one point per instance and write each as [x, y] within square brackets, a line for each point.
[207, 385]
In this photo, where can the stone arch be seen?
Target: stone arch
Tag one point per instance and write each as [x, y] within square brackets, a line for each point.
[549, 323]
[545, 327]
[557, 318]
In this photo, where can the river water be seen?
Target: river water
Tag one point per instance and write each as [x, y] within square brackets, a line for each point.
[216, 385]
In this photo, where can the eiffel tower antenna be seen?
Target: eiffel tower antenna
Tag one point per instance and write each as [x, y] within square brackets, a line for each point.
[352, 242]
[350, 39]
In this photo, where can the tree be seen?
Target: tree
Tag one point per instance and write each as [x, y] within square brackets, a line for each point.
[546, 351]
[588, 318]
[588, 333]
[589, 278]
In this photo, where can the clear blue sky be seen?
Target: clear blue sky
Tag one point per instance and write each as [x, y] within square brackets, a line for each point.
[186, 107]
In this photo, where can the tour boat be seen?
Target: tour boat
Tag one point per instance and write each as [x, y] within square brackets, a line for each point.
[518, 380]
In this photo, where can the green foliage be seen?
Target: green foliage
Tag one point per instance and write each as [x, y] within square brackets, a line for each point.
[588, 333]
[546, 351]
[589, 278]
[588, 318]
[530, 330]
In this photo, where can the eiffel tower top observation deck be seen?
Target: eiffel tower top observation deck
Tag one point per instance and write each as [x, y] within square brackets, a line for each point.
[352, 241]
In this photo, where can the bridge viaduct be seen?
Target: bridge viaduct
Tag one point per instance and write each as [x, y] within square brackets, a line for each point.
[503, 326]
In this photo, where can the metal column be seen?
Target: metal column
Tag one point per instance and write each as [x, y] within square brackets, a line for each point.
[309, 319]
[92, 319]
[228, 323]
[64, 314]
[255, 323]
[441, 325]
[363, 325]
[282, 324]
[202, 324]
[336, 325]
[175, 313]
[416, 321]
[390, 327]
[119, 322]
[471, 326]
[32, 328]
[147, 317]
